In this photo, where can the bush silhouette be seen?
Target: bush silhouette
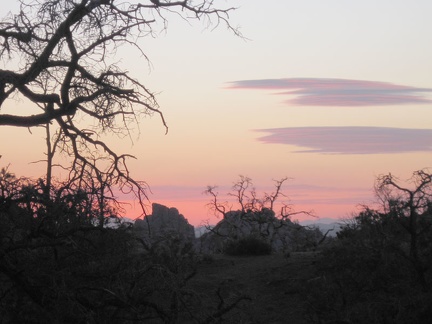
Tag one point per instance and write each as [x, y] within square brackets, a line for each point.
[368, 276]
[249, 245]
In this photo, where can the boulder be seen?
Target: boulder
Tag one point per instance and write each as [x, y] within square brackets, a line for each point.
[165, 221]
[281, 234]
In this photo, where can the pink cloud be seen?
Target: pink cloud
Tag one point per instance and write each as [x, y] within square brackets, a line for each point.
[338, 92]
[351, 140]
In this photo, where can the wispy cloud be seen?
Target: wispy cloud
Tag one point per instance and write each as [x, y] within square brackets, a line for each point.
[351, 140]
[338, 92]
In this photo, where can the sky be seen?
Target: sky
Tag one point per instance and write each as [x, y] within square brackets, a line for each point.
[328, 93]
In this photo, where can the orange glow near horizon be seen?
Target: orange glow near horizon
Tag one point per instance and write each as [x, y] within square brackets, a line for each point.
[195, 208]
[198, 213]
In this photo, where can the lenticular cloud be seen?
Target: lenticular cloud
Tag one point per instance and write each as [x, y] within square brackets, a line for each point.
[351, 140]
[338, 92]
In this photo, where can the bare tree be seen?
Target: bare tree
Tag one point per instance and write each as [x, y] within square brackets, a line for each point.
[63, 53]
[410, 205]
[245, 196]
[251, 213]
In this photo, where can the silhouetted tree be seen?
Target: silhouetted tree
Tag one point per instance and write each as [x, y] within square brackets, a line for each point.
[252, 217]
[412, 209]
[246, 198]
[56, 265]
[61, 57]
[379, 269]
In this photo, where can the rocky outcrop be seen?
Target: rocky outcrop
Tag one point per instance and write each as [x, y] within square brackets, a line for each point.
[282, 235]
[165, 222]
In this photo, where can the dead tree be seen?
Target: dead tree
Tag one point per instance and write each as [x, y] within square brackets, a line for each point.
[409, 206]
[61, 59]
[249, 211]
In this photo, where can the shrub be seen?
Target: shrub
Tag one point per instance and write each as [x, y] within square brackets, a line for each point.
[368, 276]
[249, 245]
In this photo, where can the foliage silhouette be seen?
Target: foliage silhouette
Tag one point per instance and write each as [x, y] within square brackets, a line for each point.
[248, 246]
[58, 265]
[379, 268]
[255, 224]
[59, 261]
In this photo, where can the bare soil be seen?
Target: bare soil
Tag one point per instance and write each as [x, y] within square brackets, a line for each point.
[270, 285]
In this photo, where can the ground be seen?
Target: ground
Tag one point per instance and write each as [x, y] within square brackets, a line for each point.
[272, 285]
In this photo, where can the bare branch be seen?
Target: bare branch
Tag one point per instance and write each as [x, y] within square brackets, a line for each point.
[63, 50]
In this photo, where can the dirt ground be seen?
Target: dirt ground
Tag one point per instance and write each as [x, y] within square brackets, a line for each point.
[272, 285]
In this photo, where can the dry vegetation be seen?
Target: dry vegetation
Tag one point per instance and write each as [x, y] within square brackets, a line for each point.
[271, 284]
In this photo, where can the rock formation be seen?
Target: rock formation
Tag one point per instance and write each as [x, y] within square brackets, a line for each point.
[164, 222]
[282, 235]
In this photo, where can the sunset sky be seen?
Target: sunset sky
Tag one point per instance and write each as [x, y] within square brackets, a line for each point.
[328, 93]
